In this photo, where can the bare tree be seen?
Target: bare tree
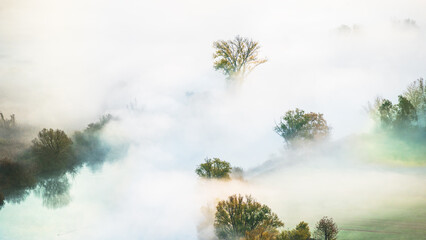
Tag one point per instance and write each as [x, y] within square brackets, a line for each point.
[236, 58]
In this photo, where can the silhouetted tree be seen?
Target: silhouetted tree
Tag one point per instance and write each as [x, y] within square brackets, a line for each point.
[237, 218]
[214, 168]
[298, 125]
[236, 58]
[52, 149]
[326, 229]
[16, 179]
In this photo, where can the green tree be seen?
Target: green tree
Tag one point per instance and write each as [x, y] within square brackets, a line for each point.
[401, 116]
[214, 168]
[406, 115]
[298, 125]
[386, 113]
[300, 233]
[239, 218]
[236, 58]
[326, 229]
[52, 149]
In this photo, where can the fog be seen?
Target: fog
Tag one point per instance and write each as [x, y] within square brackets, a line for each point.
[64, 64]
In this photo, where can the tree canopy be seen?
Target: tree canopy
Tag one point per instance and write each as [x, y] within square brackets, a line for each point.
[326, 229]
[239, 217]
[214, 168]
[301, 232]
[236, 58]
[52, 149]
[408, 115]
[298, 125]
[48, 163]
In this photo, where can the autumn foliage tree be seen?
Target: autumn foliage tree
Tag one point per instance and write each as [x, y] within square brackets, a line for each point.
[298, 125]
[236, 58]
[245, 218]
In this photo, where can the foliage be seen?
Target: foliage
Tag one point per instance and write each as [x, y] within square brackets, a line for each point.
[236, 58]
[300, 233]
[398, 117]
[409, 114]
[88, 146]
[16, 179]
[298, 125]
[52, 149]
[48, 163]
[416, 94]
[237, 218]
[214, 168]
[326, 229]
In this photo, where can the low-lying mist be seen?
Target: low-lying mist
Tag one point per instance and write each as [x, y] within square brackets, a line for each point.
[62, 65]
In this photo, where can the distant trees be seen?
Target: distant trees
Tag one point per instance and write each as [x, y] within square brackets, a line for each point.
[236, 58]
[7, 123]
[301, 232]
[47, 164]
[408, 114]
[298, 125]
[88, 146]
[245, 218]
[326, 229]
[214, 168]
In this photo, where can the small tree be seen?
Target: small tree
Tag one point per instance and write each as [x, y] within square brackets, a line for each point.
[51, 142]
[326, 229]
[296, 124]
[237, 218]
[236, 58]
[300, 233]
[214, 168]
[52, 149]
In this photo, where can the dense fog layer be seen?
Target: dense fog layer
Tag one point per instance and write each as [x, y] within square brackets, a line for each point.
[65, 64]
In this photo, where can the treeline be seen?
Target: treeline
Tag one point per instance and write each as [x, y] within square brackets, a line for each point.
[406, 118]
[47, 163]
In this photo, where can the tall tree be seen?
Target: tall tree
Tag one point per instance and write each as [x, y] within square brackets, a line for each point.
[240, 217]
[214, 168]
[236, 58]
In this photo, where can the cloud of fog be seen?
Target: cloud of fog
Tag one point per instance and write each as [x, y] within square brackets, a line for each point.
[64, 64]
